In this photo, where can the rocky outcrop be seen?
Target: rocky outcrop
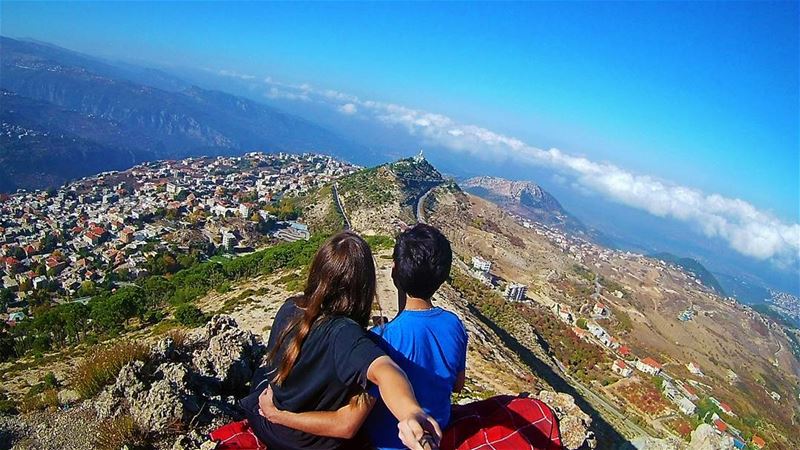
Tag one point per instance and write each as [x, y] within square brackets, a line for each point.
[191, 385]
[574, 424]
[704, 437]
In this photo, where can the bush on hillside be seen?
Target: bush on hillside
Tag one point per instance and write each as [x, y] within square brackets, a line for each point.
[101, 367]
[190, 315]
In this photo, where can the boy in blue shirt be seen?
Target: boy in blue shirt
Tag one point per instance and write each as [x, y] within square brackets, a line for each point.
[427, 342]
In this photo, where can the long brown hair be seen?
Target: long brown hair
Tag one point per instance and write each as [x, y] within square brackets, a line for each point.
[341, 281]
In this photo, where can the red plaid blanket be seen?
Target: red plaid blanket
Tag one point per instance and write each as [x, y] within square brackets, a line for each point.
[502, 423]
[236, 436]
[497, 423]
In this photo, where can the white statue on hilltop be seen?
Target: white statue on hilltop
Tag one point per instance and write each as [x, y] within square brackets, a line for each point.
[420, 157]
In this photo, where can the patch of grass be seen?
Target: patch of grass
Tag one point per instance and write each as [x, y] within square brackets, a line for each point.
[246, 293]
[293, 282]
[583, 272]
[224, 287]
[121, 432]
[190, 315]
[379, 242]
[102, 367]
[7, 404]
[39, 397]
[164, 326]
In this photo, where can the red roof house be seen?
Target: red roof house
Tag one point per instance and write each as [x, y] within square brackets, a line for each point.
[758, 442]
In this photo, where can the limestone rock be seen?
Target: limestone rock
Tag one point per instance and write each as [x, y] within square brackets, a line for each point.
[187, 386]
[68, 397]
[704, 437]
[230, 355]
[573, 422]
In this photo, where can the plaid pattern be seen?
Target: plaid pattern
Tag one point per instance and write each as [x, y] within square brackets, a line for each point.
[502, 423]
[498, 423]
[236, 436]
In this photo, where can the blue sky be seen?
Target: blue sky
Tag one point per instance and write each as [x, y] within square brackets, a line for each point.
[701, 94]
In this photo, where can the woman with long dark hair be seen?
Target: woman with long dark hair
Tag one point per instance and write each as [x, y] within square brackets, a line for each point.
[322, 359]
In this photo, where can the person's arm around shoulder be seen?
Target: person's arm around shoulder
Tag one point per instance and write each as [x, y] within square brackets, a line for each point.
[415, 427]
[343, 423]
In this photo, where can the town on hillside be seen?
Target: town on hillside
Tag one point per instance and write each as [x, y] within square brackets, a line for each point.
[116, 227]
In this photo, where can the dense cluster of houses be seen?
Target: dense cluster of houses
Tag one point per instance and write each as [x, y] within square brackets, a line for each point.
[113, 222]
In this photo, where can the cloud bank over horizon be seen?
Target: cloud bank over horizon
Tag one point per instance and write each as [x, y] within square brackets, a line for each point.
[746, 229]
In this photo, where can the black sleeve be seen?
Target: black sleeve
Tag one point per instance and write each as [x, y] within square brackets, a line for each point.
[353, 352]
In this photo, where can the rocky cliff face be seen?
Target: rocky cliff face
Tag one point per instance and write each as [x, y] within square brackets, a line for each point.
[526, 199]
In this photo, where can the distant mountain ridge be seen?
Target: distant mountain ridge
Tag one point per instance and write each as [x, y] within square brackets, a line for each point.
[527, 199]
[695, 267]
[119, 120]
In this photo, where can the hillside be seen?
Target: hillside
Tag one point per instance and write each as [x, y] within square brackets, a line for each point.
[695, 267]
[381, 199]
[528, 200]
[644, 301]
[121, 120]
[44, 145]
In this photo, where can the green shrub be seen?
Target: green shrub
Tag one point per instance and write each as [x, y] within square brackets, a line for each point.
[224, 287]
[50, 380]
[190, 315]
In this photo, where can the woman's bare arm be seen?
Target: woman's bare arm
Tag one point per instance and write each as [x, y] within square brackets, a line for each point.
[343, 423]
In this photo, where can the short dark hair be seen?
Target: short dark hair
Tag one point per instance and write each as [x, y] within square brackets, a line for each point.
[422, 258]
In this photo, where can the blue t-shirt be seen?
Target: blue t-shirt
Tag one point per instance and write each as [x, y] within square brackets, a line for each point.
[431, 347]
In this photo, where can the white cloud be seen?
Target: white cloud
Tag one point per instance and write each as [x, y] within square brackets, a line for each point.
[277, 93]
[348, 108]
[234, 74]
[747, 229]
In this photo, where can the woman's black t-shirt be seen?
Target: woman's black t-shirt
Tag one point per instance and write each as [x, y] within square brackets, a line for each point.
[331, 368]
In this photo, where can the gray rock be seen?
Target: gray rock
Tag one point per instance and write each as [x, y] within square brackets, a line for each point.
[169, 400]
[169, 393]
[230, 357]
[573, 423]
[163, 350]
[190, 441]
[704, 437]
[68, 397]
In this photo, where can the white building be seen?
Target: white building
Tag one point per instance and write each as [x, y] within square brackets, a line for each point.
[600, 310]
[481, 264]
[649, 365]
[694, 368]
[596, 330]
[515, 291]
[619, 367]
[685, 405]
[228, 240]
